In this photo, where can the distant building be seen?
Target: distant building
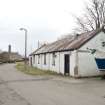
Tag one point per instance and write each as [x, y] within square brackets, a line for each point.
[10, 56]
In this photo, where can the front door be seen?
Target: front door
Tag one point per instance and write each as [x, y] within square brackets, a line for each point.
[66, 64]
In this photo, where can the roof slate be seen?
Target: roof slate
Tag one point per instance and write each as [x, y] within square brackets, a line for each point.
[72, 43]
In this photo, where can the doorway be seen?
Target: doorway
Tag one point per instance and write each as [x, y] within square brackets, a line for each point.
[66, 64]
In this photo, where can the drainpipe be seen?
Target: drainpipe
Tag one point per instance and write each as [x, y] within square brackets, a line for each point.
[70, 63]
[59, 62]
[49, 62]
[32, 60]
[41, 64]
[76, 65]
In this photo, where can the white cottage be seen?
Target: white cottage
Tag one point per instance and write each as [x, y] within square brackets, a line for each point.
[71, 55]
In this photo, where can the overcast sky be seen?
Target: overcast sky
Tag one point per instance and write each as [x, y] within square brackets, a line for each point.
[45, 20]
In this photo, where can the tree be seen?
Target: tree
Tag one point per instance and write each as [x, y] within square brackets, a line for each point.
[93, 17]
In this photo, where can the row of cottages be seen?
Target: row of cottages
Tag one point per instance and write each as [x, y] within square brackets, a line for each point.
[71, 55]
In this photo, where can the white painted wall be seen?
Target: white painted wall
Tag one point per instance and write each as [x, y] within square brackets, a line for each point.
[45, 66]
[54, 67]
[72, 62]
[87, 65]
[59, 62]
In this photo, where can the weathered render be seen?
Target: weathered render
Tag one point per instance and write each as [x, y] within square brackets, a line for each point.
[70, 53]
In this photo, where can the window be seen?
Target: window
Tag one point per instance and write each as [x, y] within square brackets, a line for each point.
[38, 59]
[53, 59]
[45, 59]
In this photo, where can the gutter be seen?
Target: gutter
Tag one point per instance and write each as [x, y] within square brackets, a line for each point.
[55, 51]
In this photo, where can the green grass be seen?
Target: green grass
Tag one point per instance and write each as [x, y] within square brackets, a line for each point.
[32, 70]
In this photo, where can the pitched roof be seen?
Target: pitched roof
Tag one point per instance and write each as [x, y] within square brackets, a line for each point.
[37, 50]
[68, 44]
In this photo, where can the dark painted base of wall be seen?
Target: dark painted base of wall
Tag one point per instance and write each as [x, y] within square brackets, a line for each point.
[80, 77]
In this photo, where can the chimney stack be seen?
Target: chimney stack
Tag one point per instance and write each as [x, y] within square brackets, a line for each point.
[9, 49]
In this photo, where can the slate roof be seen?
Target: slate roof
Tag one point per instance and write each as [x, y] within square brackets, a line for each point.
[68, 44]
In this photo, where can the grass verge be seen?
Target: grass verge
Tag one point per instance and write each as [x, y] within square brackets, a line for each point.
[32, 70]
